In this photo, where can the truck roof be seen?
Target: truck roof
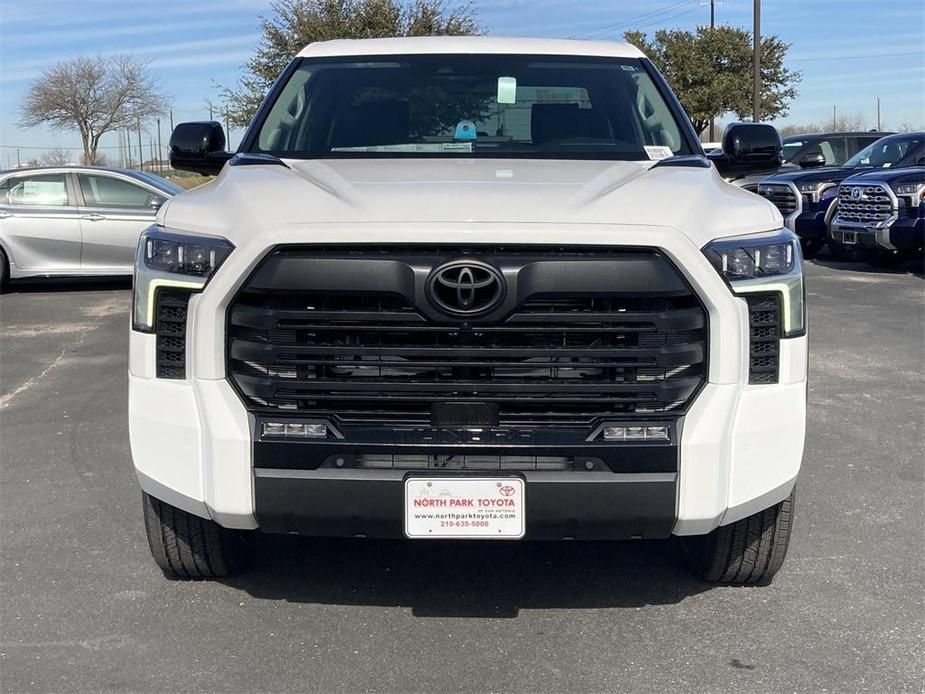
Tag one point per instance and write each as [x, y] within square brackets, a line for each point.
[469, 44]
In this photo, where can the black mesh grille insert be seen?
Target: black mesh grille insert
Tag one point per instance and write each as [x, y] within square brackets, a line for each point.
[170, 328]
[764, 342]
[564, 356]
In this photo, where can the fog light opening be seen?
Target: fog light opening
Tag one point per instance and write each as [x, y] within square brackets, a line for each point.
[299, 430]
[636, 433]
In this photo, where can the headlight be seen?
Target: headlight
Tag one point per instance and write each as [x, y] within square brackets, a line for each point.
[908, 188]
[172, 259]
[815, 190]
[765, 263]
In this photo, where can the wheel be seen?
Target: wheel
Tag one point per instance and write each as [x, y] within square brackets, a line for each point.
[4, 269]
[748, 551]
[811, 246]
[187, 546]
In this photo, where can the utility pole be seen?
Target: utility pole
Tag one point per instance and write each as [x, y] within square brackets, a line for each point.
[160, 152]
[171, 121]
[227, 131]
[834, 118]
[756, 92]
[712, 26]
[878, 114]
[18, 163]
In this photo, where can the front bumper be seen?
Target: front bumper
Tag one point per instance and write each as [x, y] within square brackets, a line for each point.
[738, 450]
[369, 503]
[903, 234]
[809, 224]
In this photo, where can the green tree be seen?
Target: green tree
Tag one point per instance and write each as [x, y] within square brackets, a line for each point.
[711, 71]
[296, 23]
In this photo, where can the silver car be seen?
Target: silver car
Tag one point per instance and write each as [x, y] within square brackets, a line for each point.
[75, 221]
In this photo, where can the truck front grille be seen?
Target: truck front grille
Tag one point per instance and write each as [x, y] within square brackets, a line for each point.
[365, 355]
[781, 195]
[864, 204]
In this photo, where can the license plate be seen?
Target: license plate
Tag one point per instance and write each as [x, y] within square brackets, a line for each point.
[465, 508]
[851, 238]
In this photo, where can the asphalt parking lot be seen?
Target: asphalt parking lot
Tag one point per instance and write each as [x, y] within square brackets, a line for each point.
[83, 607]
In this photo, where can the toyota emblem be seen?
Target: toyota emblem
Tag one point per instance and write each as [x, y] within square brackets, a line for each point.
[465, 287]
[507, 490]
[855, 193]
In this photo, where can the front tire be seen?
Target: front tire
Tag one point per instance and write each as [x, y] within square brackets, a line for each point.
[190, 547]
[751, 550]
[4, 269]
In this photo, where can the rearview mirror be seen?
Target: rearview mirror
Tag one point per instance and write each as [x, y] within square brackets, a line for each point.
[748, 148]
[812, 159]
[198, 147]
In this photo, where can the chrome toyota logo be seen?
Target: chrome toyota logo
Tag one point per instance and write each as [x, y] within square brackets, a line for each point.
[856, 193]
[465, 287]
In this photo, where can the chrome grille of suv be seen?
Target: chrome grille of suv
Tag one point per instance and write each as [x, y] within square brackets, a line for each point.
[864, 204]
[363, 356]
[781, 195]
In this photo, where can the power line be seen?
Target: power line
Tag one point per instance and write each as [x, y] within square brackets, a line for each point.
[855, 57]
[667, 19]
[632, 20]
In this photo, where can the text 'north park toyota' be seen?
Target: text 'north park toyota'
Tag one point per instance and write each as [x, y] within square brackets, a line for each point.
[470, 288]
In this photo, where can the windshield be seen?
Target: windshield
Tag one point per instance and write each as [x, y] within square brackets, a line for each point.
[790, 150]
[470, 106]
[886, 152]
[158, 182]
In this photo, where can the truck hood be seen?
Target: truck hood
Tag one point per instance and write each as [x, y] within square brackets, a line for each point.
[249, 199]
[909, 174]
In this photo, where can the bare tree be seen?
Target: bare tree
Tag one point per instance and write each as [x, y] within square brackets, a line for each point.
[842, 124]
[94, 96]
[56, 157]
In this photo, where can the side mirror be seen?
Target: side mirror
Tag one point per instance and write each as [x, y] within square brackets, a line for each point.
[748, 148]
[198, 147]
[812, 159]
[156, 201]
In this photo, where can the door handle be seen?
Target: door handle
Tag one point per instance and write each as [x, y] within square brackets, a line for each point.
[93, 217]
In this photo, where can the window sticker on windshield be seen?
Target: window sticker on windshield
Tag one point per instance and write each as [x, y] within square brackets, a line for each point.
[628, 68]
[507, 90]
[658, 152]
[465, 130]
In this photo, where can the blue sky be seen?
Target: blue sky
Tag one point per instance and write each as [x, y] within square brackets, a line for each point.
[850, 51]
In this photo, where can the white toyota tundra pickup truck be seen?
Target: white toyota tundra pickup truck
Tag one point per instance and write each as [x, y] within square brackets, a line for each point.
[471, 289]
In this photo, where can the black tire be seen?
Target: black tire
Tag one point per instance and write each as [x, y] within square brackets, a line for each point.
[187, 546]
[751, 550]
[811, 246]
[4, 269]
